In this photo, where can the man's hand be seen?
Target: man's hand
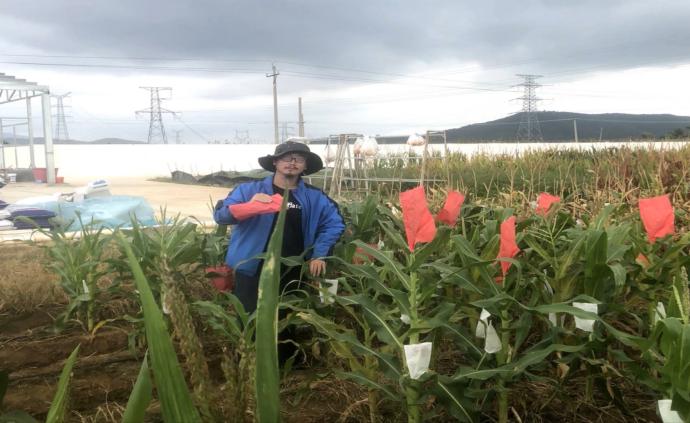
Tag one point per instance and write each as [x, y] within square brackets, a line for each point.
[262, 198]
[317, 267]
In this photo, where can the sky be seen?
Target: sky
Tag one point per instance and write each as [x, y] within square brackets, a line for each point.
[389, 67]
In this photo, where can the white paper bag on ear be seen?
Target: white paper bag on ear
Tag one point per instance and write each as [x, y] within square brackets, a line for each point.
[405, 318]
[480, 331]
[660, 312]
[586, 325]
[331, 285]
[667, 415]
[164, 304]
[417, 357]
[492, 343]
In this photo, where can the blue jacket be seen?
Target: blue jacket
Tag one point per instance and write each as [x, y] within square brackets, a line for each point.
[322, 224]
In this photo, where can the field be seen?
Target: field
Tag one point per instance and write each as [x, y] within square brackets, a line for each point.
[536, 357]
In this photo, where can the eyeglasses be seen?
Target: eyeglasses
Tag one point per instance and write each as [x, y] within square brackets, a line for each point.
[296, 159]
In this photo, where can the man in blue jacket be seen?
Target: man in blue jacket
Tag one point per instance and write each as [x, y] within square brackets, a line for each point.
[312, 227]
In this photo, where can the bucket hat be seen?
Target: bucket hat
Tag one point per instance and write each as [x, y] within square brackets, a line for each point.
[314, 163]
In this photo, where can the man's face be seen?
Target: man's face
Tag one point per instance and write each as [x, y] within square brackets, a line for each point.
[291, 164]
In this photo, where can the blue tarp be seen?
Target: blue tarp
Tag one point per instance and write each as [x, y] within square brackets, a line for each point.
[108, 212]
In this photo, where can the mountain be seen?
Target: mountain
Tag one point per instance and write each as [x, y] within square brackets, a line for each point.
[558, 126]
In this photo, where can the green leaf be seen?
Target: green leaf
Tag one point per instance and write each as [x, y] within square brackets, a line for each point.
[388, 261]
[140, 397]
[267, 380]
[17, 417]
[176, 401]
[58, 407]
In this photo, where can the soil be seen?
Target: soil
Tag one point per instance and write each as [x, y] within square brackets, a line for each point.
[34, 354]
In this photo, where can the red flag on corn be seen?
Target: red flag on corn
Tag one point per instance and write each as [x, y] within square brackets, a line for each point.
[418, 221]
[508, 247]
[545, 201]
[451, 209]
[657, 217]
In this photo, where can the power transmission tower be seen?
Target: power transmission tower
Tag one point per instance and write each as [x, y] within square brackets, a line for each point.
[274, 75]
[529, 129]
[155, 112]
[61, 132]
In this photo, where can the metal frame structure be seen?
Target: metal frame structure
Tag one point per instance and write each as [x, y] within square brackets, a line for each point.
[529, 129]
[15, 89]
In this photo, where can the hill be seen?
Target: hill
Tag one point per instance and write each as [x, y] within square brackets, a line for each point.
[558, 126]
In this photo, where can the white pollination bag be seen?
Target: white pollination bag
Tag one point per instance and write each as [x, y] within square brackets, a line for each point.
[417, 357]
[330, 153]
[331, 289]
[586, 325]
[660, 312]
[370, 147]
[480, 331]
[416, 140]
[405, 318]
[667, 415]
[485, 330]
[492, 343]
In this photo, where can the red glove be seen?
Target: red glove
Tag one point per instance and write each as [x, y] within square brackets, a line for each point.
[249, 209]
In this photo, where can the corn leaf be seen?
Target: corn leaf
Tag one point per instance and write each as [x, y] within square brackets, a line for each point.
[140, 397]
[267, 380]
[58, 407]
[176, 401]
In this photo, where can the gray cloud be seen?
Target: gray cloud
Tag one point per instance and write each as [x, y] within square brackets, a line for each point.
[234, 42]
[384, 35]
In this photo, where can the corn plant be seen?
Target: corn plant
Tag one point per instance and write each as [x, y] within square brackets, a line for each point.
[671, 342]
[176, 401]
[77, 259]
[228, 319]
[267, 378]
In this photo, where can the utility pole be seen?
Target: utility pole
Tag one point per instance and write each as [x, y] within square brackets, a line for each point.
[155, 112]
[529, 129]
[301, 119]
[61, 132]
[274, 75]
[601, 133]
[177, 135]
[575, 129]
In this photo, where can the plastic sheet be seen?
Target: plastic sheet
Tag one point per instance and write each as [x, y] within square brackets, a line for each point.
[417, 357]
[108, 212]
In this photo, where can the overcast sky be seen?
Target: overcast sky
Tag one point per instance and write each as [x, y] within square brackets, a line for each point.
[371, 67]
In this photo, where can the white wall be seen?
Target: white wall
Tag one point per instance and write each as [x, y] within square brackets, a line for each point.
[153, 160]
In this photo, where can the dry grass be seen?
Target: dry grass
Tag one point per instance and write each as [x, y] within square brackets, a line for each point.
[25, 284]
